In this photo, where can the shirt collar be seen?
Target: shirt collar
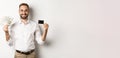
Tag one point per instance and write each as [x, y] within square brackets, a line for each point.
[22, 22]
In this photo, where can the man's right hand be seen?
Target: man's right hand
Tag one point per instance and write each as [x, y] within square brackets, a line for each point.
[5, 28]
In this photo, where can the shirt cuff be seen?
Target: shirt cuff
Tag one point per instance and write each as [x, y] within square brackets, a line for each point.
[41, 42]
[9, 42]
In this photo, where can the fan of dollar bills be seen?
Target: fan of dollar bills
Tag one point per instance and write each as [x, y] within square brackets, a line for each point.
[6, 20]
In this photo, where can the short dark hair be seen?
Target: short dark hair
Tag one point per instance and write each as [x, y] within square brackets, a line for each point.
[25, 4]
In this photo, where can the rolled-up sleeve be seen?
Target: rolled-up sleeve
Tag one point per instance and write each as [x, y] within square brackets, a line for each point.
[10, 42]
[38, 35]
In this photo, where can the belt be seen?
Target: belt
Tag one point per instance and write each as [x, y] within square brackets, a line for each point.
[26, 53]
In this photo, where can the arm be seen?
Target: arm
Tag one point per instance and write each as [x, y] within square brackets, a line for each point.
[45, 31]
[7, 36]
[9, 40]
[5, 28]
[38, 37]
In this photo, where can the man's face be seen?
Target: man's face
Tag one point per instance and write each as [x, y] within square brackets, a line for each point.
[24, 12]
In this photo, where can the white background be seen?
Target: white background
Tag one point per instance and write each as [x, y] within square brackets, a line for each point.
[78, 28]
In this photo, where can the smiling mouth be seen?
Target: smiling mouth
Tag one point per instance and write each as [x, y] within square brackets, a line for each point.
[24, 15]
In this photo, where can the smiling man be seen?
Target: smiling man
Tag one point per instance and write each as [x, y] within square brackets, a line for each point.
[22, 34]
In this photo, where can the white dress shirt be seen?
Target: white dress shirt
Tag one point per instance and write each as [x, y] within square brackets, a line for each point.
[23, 36]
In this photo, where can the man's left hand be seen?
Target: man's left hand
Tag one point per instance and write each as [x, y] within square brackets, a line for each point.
[45, 26]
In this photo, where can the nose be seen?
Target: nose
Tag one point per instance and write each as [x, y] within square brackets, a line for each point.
[23, 12]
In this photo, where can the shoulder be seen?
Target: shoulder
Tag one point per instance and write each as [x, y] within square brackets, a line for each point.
[33, 22]
[13, 25]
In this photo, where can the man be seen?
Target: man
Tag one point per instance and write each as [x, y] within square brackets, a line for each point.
[23, 33]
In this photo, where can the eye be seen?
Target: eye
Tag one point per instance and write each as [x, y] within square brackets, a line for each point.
[21, 10]
[26, 10]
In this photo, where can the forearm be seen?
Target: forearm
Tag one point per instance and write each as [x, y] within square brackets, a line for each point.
[44, 35]
[7, 36]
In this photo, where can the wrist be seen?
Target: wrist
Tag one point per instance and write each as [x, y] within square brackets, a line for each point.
[6, 32]
[45, 29]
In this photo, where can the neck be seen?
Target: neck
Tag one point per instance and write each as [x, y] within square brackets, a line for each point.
[24, 21]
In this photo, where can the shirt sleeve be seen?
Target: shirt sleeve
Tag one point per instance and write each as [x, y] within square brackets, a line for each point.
[10, 42]
[38, 35]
